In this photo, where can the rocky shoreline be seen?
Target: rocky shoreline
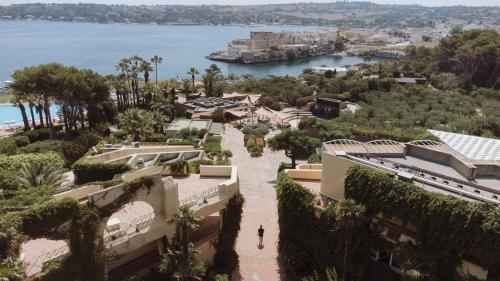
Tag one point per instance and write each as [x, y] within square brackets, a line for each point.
[268, 55]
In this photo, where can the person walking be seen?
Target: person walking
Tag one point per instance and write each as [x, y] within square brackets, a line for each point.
[260, 233]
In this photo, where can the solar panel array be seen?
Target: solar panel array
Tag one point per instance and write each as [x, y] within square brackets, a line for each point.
[471, 147]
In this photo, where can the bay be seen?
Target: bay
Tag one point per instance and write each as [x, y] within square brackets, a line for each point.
[100, 47]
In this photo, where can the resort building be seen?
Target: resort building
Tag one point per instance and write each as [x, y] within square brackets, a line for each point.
[462, 166]
[135, 236]
[204, 108]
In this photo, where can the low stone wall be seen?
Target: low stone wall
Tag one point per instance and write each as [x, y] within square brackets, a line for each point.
[215, 171]
[163, 170]
[79, 193]
[306, 172]
[108, 156]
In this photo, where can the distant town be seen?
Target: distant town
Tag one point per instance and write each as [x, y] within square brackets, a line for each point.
[263, 46]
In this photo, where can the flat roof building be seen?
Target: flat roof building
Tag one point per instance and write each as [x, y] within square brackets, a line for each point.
[462, 166]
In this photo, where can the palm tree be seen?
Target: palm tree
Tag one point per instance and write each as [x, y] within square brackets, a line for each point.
[179, 265]
[136, 122]
[348, 213]
[39, 174]
[193, 71]
[186, 220]
[146, 68]
[156, 60]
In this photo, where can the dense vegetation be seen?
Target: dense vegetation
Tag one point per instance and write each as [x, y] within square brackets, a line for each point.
[358, 14]
[446, 227]
[462, 94]
[310, 245]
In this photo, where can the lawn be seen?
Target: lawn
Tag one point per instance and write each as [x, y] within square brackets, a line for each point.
[213, 144]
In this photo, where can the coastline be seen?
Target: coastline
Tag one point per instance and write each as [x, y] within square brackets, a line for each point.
[170, 24]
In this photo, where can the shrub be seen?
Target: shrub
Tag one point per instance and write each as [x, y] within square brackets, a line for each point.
[11, 165]
[182, 142]
[72, 151]
[227, 153]
[30, 197]
[194, 166]
[87, 139]
[256, 151]
[212, 144]
[42, 146]
[202, 133]
[314, 158]
[120, 134]
[21, 141]
[8, 146]
[276, 106]
[85, 173]
[155, 138]
[38, 134]
[180, 167]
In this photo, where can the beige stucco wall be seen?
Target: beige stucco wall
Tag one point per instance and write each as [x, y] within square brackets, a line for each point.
[104, 157]
[333, 174]
[215, 171]
[305, 174]
[79, 193]
[310, 166]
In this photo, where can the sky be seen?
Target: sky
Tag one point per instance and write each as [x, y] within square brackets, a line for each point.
[256, 2]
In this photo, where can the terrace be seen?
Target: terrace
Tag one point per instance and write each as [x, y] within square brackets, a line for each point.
[130, 232]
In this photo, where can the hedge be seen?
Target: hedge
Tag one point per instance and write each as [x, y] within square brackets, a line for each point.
[226, 259]
[85, 173]
[10, 165]
[38, 134]
[446, 226]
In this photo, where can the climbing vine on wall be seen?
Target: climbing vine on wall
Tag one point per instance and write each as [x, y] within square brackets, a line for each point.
[226, 259]
[69, 220]
[446, 226]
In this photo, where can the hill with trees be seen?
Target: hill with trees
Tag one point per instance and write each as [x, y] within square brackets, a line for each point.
[355, 14]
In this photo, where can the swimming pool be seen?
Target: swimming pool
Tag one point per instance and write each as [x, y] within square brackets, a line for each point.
[11, 114]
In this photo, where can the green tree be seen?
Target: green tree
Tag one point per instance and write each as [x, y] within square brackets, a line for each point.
[185, 220]
[180, 260]
[136, 122]
[156, 60]
[182, 265]
[193, 72]
[295, 143]
[348, 213]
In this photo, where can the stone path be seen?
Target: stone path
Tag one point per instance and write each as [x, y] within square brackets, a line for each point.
[257, 180]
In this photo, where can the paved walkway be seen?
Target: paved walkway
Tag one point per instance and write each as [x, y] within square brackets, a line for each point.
[257, 179]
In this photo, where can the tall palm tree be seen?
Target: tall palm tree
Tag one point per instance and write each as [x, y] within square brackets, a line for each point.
[136, 123]
[156, 60]
[146, 67]
[124, 67]
[348, 213]
[193, 71]
[186, 220]
[38, 174]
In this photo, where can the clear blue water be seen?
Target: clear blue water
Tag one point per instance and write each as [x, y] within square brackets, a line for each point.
[9, 113]
[101, 46]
